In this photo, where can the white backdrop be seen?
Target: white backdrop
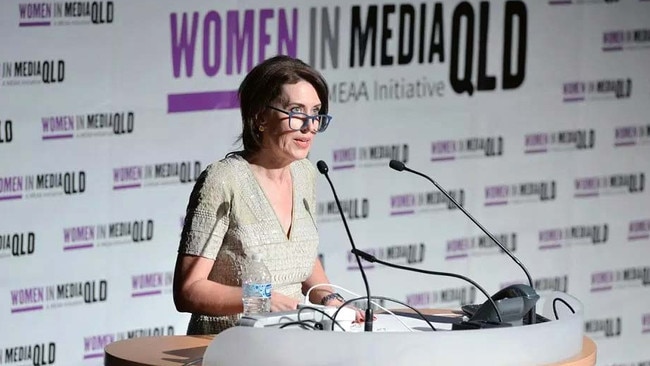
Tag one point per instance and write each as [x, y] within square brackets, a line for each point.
[533, 114]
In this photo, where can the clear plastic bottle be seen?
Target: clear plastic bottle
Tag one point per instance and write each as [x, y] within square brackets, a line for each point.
[256, 286]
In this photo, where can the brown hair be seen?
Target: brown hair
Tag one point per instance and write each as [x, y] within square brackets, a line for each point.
[263, 85]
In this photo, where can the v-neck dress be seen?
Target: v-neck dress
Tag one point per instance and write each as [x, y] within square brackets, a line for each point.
[229, 217]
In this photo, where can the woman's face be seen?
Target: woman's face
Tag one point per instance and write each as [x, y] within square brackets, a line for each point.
[278, 138]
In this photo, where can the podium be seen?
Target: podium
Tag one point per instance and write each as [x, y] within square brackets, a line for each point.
[557, 342]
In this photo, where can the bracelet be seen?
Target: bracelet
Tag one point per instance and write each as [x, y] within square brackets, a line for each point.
[332, 296]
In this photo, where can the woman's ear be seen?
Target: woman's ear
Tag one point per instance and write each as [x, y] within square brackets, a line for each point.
[258, 123]
[259, 119]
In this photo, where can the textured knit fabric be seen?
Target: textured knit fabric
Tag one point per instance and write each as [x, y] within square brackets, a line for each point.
[229, 217]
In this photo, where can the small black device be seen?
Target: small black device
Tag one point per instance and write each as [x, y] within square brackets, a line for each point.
[514, 303]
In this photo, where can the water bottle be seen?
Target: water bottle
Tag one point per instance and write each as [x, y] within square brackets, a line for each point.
[256, 286]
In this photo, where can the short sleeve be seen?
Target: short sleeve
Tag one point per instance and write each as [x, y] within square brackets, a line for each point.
[208, 211]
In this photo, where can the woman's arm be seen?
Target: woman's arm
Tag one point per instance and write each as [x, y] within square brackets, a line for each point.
[318, 276]
[317, 294]
[194, 293]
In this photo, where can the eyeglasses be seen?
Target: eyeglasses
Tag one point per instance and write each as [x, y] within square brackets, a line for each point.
[299, 121]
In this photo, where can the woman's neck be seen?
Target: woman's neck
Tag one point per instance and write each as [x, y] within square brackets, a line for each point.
[269, 167]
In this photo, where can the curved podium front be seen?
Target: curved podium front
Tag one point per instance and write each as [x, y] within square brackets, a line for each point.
[556, 342]
[186, 350]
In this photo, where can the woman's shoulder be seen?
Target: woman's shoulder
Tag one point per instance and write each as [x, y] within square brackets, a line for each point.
[224, 170]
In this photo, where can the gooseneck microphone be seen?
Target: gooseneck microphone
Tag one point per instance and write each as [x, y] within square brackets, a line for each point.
[323, 169]
[372, 259]
[399, 166]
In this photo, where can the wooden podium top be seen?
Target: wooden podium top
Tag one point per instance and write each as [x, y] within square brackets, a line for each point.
[161, 351]
[188, 350]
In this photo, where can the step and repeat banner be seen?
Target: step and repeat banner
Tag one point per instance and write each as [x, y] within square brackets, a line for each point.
[534, 115]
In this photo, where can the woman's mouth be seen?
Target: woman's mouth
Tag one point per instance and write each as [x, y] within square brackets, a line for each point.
[303, 143]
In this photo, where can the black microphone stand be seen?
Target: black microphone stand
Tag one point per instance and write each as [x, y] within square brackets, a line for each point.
[367, 326]
[399, 166]
[372, 259]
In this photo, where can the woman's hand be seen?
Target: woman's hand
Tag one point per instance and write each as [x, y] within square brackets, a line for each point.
[359, 317]
[281, 302]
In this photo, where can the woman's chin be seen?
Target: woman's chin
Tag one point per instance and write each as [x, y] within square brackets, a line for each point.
[300, 154]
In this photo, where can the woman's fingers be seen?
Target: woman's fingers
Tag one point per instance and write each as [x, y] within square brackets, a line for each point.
[281, 302]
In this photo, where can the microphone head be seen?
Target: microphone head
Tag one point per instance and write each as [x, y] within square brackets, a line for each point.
[322, 167]
[397, 165]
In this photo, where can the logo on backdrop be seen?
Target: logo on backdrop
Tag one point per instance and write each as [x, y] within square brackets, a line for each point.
[42, 185]
[29, 354]
[609, 185]
[604, 328]
[449, 297]
[557, 238]
[541, 284]
[398, 254]
[638, 230]
[196, 36]
[528, 192]
[386, 89]
[32, 72]
[604, 89]
[151, 284]
[555, 283]
[632, 135]
[94, 344]
[138, 176]
[6, 131]
[57, 296]
[607, 280]
[64, 13]
[88, 125]
[542, 142]
[466, 148]
[424, 202]
[353, 209]
[418, 37]
[17, 244]
[369, 156]
[626, 39]
[379, 35]
[480, 245]
[108, 235]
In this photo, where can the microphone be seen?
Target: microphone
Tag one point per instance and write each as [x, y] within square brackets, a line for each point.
[372, 259]
[323, 169]
[399, 166]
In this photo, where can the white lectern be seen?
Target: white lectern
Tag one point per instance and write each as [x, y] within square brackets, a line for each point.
[537, 344]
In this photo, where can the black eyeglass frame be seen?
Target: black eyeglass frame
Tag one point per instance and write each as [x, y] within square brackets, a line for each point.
[323, 119]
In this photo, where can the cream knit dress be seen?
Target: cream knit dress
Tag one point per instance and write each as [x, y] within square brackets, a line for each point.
[229, 217]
